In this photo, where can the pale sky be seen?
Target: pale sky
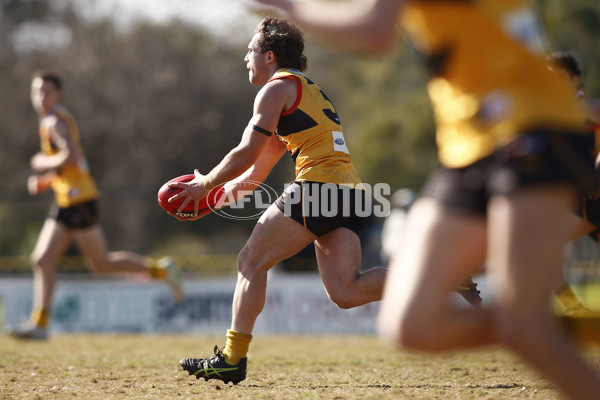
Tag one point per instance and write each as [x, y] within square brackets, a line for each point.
[224, 18]
[219, 16]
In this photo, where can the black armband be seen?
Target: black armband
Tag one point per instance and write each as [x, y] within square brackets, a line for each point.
[261, 130]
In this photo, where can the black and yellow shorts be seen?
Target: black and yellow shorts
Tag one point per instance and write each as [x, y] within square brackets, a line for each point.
[323, 207]
[79, 216]
[537, 158]
[589, 210]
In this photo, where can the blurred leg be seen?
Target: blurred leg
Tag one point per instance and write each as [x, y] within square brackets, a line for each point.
[339, 257]
[274, 238]
[525, 256]
[92, 244]
[52, 243]
[439, 248]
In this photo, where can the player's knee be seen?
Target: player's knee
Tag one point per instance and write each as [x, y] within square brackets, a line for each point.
[342, 299]
[518, 333]
[342, 291]
[35, 260]
[93, 267]
[416, 332]
[409, 336]
[342, 302]
[96, 266]
[249, 262]
[40, 261]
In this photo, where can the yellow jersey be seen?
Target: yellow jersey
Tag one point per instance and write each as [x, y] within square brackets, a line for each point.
[73, 184]
[489, 82]
[312, 132]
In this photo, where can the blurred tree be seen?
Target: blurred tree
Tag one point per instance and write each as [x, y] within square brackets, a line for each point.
[19, 11]
[152, 102]
[574, 26]
[156, 101]
[385, 112]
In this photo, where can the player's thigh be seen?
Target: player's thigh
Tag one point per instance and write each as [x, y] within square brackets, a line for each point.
[338, 256]
[275, 238]
[53, 241]
[92, 244]
[526, 241]
[438, 249]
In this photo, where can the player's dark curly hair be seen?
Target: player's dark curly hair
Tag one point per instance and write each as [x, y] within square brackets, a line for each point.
[49, 76]
[285, 40]
[565, 61]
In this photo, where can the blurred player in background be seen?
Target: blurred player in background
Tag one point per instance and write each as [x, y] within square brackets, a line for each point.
[513, 162]
[62, 167]
[567, 64]
[290, 113]
[587, 220]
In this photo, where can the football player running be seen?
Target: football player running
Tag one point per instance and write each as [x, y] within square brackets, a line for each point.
[513, 162]
[291, 113]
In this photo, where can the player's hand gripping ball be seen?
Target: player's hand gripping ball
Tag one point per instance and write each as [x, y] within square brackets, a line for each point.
[206, 205]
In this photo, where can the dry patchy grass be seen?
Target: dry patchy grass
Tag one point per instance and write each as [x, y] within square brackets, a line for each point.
[280, 367]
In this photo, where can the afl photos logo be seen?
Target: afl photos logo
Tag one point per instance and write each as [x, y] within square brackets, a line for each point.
[256, 197]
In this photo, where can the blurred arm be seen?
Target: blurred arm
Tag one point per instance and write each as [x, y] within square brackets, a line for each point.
[66, 154]
[365, 26]
[37, 184]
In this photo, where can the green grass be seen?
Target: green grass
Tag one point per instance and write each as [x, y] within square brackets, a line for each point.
[280, 367]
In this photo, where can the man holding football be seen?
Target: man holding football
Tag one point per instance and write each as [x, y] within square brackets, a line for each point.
[513, 162]
[291, 113]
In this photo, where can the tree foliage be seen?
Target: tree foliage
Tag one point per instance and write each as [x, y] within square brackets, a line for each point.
[156, 101]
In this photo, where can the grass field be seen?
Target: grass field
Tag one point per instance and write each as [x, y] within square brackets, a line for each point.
[280, 367]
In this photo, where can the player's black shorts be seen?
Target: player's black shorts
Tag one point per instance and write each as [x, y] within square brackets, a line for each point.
[323, 207]
[79, 216]
[536, 158]
[589, 210]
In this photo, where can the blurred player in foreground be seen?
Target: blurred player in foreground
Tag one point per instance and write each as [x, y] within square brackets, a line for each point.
[393, 228]
[62, 167]
[290, 113]
[513, 163]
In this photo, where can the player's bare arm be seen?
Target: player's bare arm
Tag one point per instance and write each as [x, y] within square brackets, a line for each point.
[271, 100]
[66, 154]
[244, 184]
[257, 173]
[38, 184]
[274, 98]
[365, 26]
